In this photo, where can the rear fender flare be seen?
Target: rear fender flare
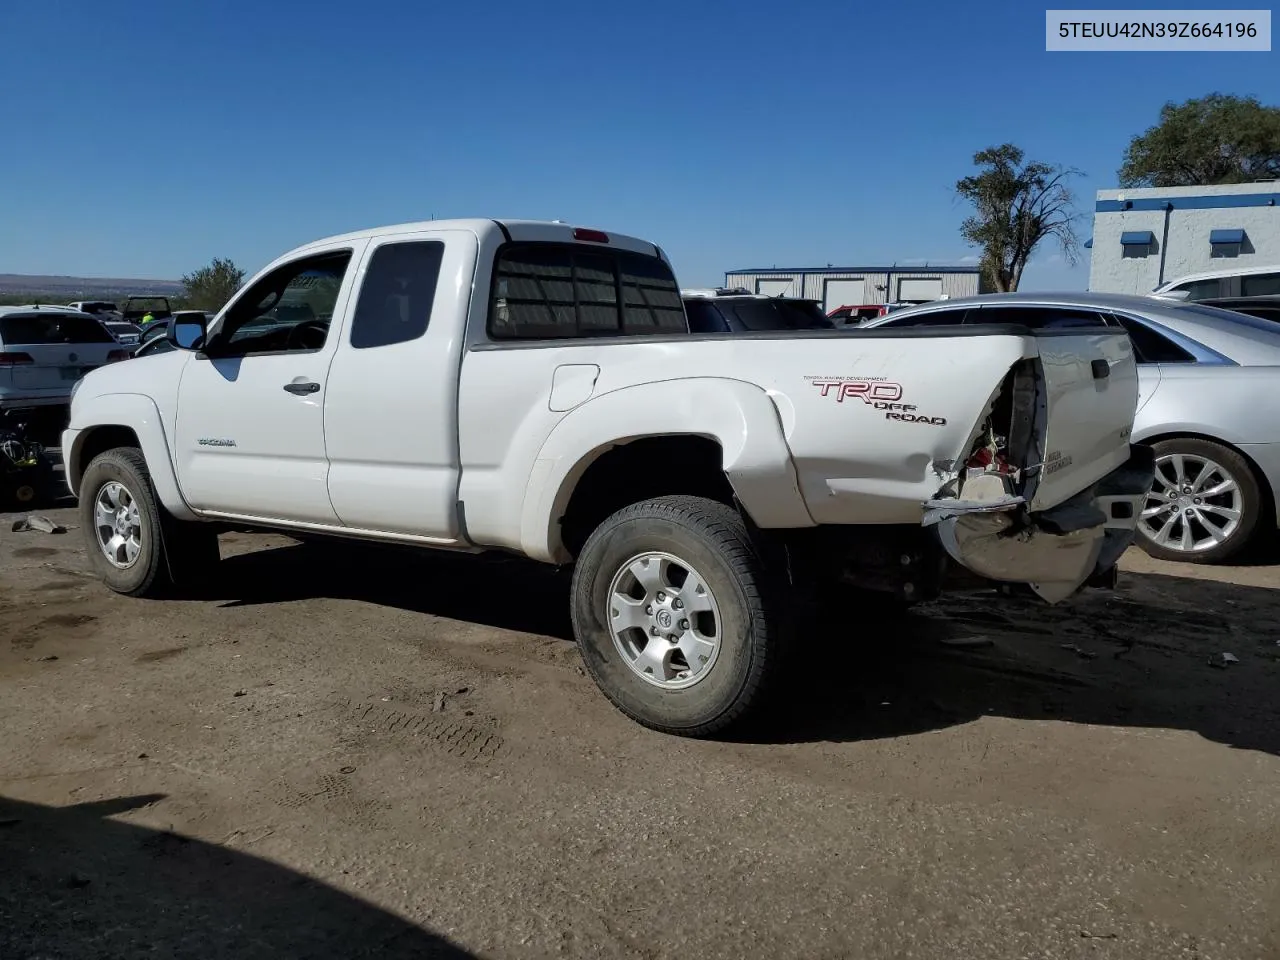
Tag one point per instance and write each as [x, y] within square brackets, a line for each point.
[740, 417]
[138, 413]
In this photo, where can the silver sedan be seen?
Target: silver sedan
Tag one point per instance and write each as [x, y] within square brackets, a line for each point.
[1209, 383]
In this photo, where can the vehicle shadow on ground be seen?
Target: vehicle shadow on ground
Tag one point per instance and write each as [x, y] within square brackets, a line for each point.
[1148, 655]
[510, 593]
[77, 884]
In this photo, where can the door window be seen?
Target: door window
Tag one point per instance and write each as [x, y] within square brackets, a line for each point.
[1260, 285]
[1201, 289]
[1150, 346]
[287, 311]
[397, 293]
[704, 317]
[933, 318]
[1040, 318]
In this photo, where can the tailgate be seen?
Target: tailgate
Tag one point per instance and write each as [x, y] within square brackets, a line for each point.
[1090, 398]
[57, 365]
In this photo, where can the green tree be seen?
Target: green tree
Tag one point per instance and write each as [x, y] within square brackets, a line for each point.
[209, 288]
[1016, 205]
[1215, 139]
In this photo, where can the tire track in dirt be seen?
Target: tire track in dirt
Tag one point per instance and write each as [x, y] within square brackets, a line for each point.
[458, 738]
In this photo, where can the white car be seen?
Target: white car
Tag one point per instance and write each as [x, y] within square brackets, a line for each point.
[527, 387]
[44, 351]
[1232, 282]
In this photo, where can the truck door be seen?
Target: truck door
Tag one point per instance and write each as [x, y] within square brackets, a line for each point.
[250, 424]
[391, 408]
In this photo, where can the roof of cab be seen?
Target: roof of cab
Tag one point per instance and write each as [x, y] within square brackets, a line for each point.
[547, 231]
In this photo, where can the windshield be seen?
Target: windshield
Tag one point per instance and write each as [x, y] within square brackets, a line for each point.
[45, 328]
[777, 314]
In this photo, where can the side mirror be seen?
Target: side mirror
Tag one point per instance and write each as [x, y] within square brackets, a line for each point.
[188, 333]
[1174, 295]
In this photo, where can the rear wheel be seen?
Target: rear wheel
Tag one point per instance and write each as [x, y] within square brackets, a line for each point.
[1204, 506]
[133, 543]
[677, 616]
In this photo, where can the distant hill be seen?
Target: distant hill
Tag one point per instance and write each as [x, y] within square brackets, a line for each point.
[85, 288]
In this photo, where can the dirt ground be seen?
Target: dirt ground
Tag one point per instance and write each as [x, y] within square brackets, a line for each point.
[372, 753]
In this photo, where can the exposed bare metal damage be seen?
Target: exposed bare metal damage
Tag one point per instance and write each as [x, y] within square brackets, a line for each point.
[983, 513]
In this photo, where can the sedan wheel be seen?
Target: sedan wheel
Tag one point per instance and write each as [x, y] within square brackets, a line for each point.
[1203, 506]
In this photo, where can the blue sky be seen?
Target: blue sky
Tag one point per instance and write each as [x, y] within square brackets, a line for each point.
[142, 138]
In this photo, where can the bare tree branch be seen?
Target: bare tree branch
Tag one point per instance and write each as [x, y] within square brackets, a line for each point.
[1016, 206]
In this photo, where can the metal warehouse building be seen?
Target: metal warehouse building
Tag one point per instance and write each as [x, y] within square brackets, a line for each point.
[841, 286]
[1143, 238]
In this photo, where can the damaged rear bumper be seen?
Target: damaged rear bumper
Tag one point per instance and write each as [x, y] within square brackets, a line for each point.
[1056, 551]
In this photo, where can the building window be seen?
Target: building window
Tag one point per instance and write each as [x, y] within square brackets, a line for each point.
[1137, 243]
[1226, 243]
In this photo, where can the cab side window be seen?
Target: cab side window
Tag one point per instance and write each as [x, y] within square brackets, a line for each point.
[397, 293]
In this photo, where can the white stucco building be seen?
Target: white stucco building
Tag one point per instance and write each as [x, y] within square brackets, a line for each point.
[1148, 236]
[852, 286]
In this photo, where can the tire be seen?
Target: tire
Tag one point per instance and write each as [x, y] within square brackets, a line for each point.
[170, 557]
[724, 683]
[1196, 529]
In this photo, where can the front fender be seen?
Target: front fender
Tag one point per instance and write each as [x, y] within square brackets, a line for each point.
[138, 413]
[740, 417]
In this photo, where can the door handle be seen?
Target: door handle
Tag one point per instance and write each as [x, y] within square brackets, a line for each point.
[301, 389]
[1101, 369]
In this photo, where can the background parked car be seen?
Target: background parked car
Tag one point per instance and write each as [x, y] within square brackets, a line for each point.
[43, 352]
[1208, 379]
[849, 314]
[738, 311]
[127, 334]
[105, 309]
[1232, 282]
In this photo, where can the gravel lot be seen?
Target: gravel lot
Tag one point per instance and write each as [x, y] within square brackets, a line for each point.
[354, 753]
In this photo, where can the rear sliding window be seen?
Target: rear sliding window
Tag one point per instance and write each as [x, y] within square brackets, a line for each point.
[31, 328]
[549, 291]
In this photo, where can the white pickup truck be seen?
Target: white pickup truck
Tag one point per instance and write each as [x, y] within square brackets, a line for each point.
[478, 385]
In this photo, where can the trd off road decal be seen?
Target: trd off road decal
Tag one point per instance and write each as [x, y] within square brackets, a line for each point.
[875, 392]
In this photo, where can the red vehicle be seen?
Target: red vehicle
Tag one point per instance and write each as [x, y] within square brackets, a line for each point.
[853, 315]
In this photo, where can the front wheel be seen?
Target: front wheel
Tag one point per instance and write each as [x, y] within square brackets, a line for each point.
[677, 616]
[1204, 505]
[134, 545]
